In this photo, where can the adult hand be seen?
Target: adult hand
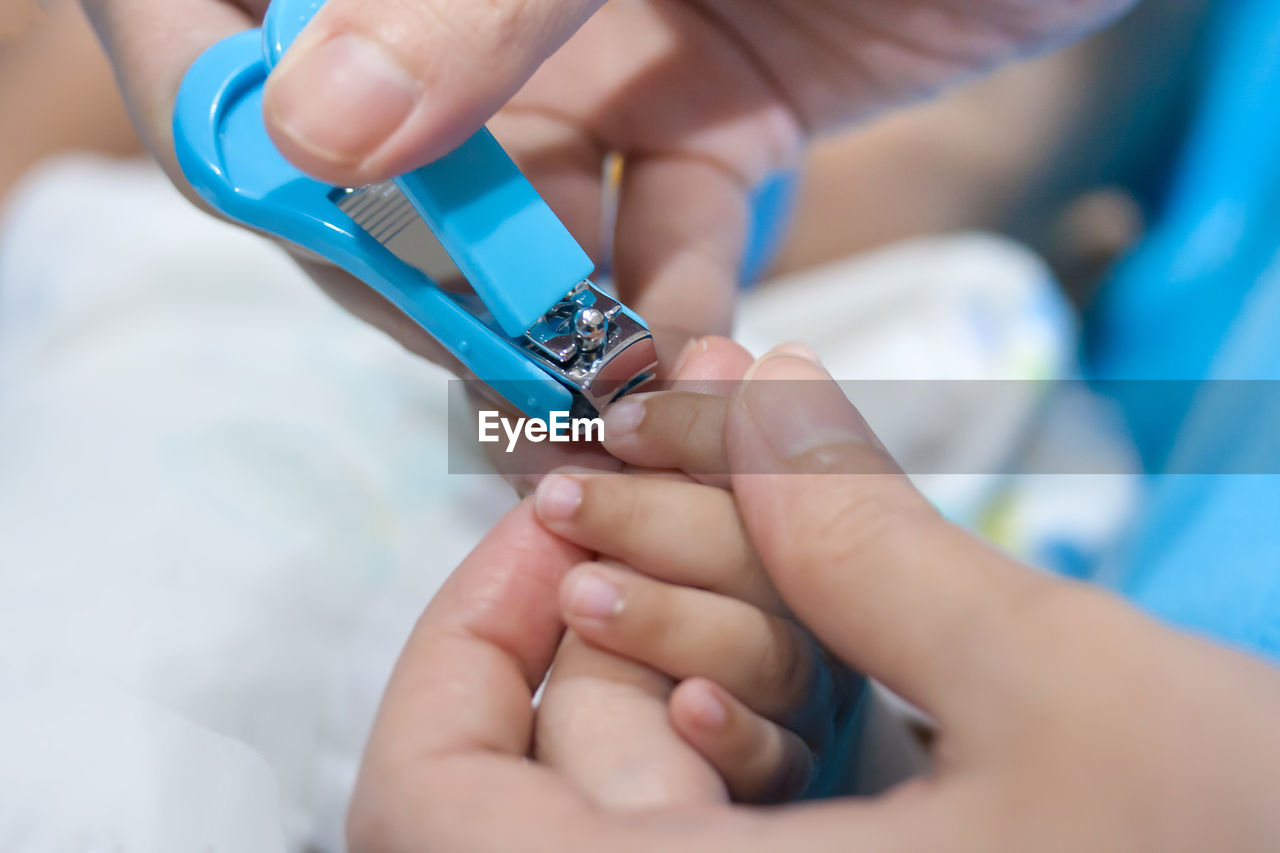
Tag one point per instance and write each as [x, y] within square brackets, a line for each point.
[704, 97]
[1067, 720]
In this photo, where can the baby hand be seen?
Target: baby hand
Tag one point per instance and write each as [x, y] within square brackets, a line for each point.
[681, 590]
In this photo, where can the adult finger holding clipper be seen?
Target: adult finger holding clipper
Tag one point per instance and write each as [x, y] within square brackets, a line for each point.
[705, 99]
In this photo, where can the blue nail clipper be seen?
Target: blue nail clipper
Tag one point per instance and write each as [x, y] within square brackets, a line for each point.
[532, 327]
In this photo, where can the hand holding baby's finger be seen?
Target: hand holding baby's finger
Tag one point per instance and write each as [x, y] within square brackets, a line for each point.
[698, 606]
[675, 429]
[766, 661]
[665, 528]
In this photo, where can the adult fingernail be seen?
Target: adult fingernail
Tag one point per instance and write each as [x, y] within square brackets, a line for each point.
[558, 498]
[341, 99]
[796, 406]
[591, 596]
[623, 418]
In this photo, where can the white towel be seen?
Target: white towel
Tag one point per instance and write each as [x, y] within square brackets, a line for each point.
[224, 502]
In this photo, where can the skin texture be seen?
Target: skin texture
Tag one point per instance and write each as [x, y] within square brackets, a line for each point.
[703, 98]
[756, 698]
[1067, 721]
[603, 717]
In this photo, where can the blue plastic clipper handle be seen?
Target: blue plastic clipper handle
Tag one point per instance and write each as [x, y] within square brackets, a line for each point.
[512, 248]
[281, 25]
[226, 154]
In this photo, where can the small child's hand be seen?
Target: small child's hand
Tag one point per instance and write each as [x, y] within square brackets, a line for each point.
[756, 697]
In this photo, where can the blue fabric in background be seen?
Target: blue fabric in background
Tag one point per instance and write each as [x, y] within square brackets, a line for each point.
[771, 208]
[1200, 299]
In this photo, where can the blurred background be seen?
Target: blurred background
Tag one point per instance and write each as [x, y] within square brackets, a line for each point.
[223, 502]
[1065, 154]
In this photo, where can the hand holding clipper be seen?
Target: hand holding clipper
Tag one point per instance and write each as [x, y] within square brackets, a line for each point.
[529, 323]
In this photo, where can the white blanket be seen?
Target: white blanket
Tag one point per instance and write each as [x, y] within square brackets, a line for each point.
[223, 502]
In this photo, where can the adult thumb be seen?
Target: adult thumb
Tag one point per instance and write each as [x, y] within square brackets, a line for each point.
[375, 88]
[857, 552]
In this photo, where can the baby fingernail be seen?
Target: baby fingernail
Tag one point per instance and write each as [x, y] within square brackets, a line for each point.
[797, 407]
[558, 498]
[798, 349]
[623, 418]
[708, 711]
[592, 597]
[686, 351]
[342, 98]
